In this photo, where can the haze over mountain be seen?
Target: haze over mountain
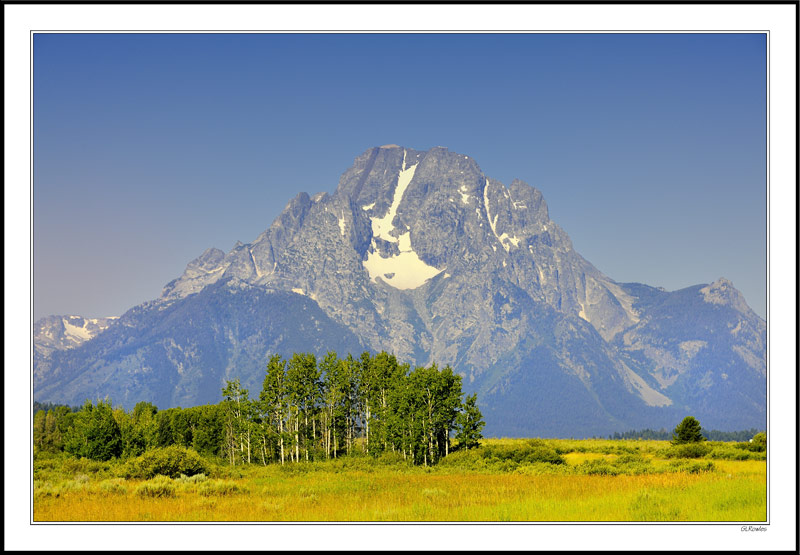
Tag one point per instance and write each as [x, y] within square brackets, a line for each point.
[420, 254]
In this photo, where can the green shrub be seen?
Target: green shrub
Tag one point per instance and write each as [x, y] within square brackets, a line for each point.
[83, 466]
[542, 469]
[160, 486]
[562, 447]
[471, 459]
[220, 487]
[389, 458]
[697, 467]
[197, 478]
[57, 489]
[634, 464]
[169, 461]
[532, 451]
[45, 489]
[756, 445]
[687, 451]
[599, 467]
[113, 487]
[692, 467]
[616, 450]
[631, 458]
[729, 454]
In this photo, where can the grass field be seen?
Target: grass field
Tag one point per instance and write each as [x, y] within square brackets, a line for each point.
[504, 480]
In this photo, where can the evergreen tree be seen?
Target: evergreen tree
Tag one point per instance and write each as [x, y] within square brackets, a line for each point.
[688, 431]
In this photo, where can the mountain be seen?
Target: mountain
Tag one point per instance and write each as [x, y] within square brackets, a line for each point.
[59, 333]
[420, 254]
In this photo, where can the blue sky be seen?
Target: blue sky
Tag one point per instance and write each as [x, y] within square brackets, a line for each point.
[649, 149]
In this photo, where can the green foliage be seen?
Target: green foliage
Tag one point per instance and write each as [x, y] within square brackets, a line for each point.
[688, 431]
[47, 406]
[692, 467]
[238, 416]
[646, 433]
[48, 428]
[687, 451]
[711, 435]
[158, 486]
[740, 435]
[94, 433]
[531, 451]
[207, 422]
[113, 487]
[469, 423]
[169, 461]
[731, 453]
[698, 467]
[598, 467]
[307, 411]
[220, 487]
[84, 466]
[531, 456]
[758, 444]
[138, 428]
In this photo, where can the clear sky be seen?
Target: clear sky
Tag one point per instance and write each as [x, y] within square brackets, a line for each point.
[148, 149]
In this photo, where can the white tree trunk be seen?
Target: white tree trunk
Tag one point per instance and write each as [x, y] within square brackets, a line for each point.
[280, 427]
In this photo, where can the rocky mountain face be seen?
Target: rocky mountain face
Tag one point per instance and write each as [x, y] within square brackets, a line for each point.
[60, 333]
[421, 254]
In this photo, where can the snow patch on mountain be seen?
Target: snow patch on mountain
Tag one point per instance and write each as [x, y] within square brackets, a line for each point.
[405, 270]
[464, 195]
[80, 334]
[383, 227]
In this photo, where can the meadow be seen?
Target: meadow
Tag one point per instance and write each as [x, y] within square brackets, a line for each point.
[504, 480]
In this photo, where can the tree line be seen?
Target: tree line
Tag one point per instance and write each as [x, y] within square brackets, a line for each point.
[663, 433]
[306, 410]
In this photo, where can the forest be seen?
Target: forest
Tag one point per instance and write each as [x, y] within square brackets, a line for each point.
[307, 410]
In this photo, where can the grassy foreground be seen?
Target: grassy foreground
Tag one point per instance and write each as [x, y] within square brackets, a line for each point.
[504, 480]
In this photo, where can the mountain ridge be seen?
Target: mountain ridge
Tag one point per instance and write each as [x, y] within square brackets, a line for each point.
[420, 254]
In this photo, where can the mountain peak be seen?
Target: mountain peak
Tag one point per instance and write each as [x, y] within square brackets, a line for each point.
[723, 292]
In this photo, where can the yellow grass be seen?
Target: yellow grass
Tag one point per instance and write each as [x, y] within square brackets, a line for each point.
[733, 491]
